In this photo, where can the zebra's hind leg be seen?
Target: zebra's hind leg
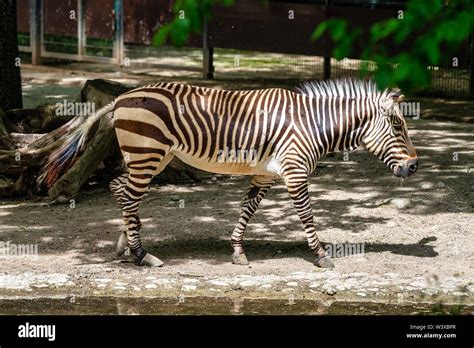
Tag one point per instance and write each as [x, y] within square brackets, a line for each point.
[116, 186]
[259, 186]
[297, 185]
[129, 194]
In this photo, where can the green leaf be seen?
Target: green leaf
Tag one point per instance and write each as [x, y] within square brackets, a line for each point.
[431, 50]
[319, 31]
[338, 29]
[180, 31]
[384, 29]
[160, 36]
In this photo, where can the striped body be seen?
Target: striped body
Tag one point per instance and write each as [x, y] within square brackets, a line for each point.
[267, 134]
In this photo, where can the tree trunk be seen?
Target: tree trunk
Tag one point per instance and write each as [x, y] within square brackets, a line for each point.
[10, 77]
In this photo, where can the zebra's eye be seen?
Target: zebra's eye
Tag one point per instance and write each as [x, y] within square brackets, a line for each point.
[398, 127]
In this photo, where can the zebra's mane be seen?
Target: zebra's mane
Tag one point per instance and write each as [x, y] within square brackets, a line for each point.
[349, 88]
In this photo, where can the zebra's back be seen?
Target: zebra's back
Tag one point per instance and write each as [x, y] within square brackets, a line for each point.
[230, 132]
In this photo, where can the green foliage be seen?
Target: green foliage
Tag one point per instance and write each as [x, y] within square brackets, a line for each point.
[189, 17]
[431, 29]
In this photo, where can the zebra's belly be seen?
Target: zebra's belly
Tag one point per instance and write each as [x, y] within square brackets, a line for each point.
[215, 166]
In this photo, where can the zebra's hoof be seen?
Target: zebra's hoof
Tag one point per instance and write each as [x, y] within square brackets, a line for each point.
[239, 259]
[324, 262]
[122, 244]
[150, 261]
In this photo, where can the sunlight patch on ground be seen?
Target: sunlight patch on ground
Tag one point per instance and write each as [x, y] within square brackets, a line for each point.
[72, 80]
[104, 243]
[114, 222]
[35, 228]
[178, 189]
[204, 219]
[60, 96]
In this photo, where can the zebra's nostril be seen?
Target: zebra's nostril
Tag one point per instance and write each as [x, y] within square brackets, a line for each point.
[412, 167]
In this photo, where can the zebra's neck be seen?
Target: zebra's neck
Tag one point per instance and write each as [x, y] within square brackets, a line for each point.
[337, 123]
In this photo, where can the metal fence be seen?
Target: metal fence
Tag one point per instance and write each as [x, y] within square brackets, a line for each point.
[252, 40]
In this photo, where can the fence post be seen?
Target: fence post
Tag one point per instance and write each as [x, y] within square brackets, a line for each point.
[36, 13]
[118, 31]
[207, 55]
[327, 67]
[471, 66]
[81, 28]
[327, 53]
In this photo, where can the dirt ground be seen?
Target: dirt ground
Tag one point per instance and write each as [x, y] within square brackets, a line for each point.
[416, 234]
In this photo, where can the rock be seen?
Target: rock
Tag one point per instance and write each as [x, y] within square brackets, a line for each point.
[392, 275]
[419, 283]
[249, 282]
[427, 185]
[362, 294]
[329, 290]
[189, 287]
[218, 283]
[191, 281]
[293, 284]
[401, 203]
[103, 280]
[430, 292]
[458, 293]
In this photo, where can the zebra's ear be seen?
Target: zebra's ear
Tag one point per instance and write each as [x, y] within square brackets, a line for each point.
[397, 97]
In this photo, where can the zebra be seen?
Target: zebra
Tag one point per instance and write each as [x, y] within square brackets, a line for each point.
[287, 130]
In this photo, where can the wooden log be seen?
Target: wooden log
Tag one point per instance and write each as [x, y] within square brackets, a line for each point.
[101, 92]
[56, 134]
[28, 157]
[23, 140]
[96, 151]
[6, 142]
[23, 185]
[43, 119]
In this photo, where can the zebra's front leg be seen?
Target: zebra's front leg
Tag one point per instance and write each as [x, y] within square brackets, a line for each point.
[297, 185]
[259, 186]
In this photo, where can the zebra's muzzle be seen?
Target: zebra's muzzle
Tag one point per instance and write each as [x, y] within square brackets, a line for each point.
[407, 169]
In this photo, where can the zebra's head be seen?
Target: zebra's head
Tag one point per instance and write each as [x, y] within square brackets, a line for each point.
[387, 136]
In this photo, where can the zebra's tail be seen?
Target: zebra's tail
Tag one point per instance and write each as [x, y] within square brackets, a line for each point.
[61, 159]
